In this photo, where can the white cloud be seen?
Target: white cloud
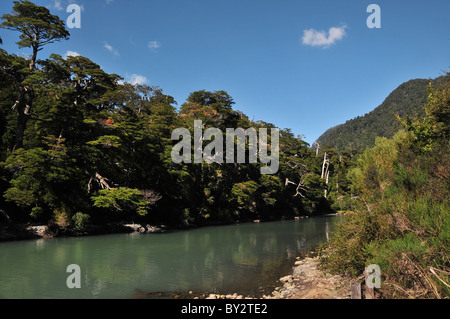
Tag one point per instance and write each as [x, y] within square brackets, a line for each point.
[322, 38]
[62, 4]
[136, 79]
[153, 45]
[71, 53]
[109, 1]
[110, 48]
[56, 4]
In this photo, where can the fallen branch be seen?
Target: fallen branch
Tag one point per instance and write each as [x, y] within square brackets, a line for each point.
[434, 273]
[424, 275]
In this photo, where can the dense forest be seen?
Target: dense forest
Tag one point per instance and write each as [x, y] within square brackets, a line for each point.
[409, 99]
[81, 147]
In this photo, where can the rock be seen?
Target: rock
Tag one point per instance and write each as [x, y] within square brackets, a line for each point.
[134, 227]
[287, 278]
[308, 282]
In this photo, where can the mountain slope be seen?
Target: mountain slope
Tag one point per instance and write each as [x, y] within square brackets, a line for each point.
[408, 99]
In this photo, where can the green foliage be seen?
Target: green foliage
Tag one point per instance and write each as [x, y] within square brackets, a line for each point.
[38, 176]
[271, 189]
[375, 168]
[122, 199]
[80, 221]
[36, 212]
[37, 26]
[32, 20]
[245, 192]
[76, 139]
[403, 220]
[408, 99]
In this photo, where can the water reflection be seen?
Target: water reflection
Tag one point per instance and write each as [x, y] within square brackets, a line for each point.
[239, 258]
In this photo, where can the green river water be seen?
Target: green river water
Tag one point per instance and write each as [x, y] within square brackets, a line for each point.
[246, 259]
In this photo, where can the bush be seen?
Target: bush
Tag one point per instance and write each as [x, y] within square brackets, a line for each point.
[403, 222]
[80, 221]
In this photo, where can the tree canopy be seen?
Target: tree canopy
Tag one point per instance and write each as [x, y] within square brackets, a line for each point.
[38, 27]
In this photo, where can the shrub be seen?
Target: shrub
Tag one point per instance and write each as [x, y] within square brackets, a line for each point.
[80, 221]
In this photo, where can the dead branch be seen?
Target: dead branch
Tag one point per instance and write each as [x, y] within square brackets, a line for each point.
[300, 186]
[434, 273]
[151, 196]
[424, 275]
[102, 181]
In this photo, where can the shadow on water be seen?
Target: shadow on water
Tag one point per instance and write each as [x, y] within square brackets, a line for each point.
[247, 259]
[261, 255]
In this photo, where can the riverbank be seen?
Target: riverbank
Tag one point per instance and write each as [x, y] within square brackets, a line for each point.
[16, 232]
[306, 281]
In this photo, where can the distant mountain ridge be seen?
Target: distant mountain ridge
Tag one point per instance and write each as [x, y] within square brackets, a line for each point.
[409, 98]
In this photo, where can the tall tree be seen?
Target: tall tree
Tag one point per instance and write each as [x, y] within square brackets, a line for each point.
[38, 28]
[37, 25]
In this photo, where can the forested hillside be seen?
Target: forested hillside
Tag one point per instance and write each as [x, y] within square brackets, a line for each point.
[401, 217]
[409, 99]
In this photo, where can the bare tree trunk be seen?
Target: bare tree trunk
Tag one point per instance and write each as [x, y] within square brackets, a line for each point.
[323, 165]
[35, 52]
[8, 219]
[23, 107]
[317, 149]
[325, 172]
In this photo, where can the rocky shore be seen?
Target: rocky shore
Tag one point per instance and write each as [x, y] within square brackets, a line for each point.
[307, 281]
[14, 232]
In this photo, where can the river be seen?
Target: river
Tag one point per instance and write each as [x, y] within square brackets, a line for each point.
[247, 259]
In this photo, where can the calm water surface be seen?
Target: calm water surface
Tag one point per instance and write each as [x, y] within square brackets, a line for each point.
[247, 259]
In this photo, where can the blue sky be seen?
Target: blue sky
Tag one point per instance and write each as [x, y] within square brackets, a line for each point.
[303, 65]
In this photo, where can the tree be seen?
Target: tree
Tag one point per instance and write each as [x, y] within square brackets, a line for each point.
[37, 25]
[438, 108]
[122, 200]
[38, 28]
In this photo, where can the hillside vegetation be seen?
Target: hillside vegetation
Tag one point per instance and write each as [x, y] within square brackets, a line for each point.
[409, 99]
[401, 216]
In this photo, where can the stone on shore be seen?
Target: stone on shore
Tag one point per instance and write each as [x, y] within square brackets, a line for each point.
[308, 282]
